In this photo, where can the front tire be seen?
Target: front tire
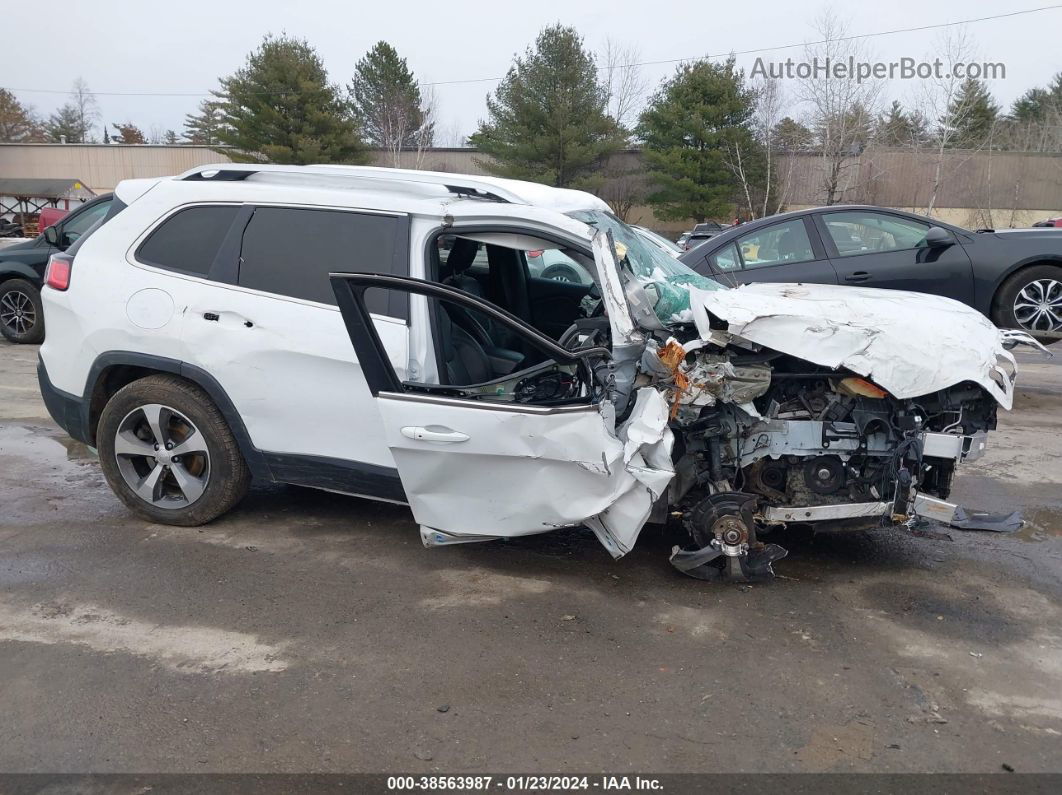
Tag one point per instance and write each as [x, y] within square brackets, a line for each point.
[21, 312]
[168, 453]
[1031, 299]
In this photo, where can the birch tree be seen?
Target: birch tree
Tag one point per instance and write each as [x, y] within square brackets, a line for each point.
[840, 110]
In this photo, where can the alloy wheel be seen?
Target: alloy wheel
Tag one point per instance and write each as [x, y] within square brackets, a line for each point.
[1038, 306]
[17, 312]
[162, 456]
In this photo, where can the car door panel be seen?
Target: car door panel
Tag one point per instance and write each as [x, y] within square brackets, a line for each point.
[287, 367]
[475, 466]
[815, 272]
[945, 271]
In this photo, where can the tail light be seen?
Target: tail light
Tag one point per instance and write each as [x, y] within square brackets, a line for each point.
[535, 253]
[57, 274]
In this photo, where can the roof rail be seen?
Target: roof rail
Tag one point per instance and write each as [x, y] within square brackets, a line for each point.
[461, 185]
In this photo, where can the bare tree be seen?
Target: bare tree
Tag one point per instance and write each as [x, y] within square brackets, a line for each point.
[734, 155]
[625, 85]
[424, 135]
[86, 107]
[770, 104]
[937, 102]
[840, 110]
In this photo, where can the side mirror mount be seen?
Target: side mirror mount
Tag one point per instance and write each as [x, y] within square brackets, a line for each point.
[51, 234]
[937, 237]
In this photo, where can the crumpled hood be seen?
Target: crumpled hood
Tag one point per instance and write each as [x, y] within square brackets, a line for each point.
[910, 344]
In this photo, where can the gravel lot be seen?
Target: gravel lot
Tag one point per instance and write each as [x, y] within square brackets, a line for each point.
[312, 632]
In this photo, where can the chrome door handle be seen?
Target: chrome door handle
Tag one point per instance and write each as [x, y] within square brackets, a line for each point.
[433, 434]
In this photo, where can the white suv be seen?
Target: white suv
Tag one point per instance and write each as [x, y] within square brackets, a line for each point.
[325, 326]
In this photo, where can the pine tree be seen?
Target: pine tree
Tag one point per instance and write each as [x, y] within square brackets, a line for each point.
[170, 138]
[280, 107]
[65, 124]
[899, 128]
[387, 102]
[1037, 105]
[792, 136]
[203, 128]
[691, 124]
[18, 124]
[547, 120]
[972, 115]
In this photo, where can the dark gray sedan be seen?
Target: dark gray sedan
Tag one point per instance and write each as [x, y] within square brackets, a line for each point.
[1013, 276]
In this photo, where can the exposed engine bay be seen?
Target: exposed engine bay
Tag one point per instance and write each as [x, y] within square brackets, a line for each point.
[763, 439]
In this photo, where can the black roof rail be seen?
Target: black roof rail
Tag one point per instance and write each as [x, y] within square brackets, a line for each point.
[221, 175]
[467, 192]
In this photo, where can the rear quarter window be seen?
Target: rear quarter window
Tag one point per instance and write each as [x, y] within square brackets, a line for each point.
[189, 239]
[291, 251]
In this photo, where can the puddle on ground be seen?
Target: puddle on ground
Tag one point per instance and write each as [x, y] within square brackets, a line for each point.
[1041, 524]
[46, 476]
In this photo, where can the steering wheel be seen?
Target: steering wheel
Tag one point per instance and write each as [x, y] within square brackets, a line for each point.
[595, 335]
[561, 273]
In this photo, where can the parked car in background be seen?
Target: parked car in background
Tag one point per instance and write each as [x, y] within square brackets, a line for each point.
[50, 216]
[659, 241]
[1050, 222]
[551, 263]
[1013, 276]
[22, 270]
[704, 232]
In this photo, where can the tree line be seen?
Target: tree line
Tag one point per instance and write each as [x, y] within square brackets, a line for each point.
[715, 143]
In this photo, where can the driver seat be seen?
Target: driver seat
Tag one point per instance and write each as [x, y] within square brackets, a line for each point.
[463, 359]
[459, 260]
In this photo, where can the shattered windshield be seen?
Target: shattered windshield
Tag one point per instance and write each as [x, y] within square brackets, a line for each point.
[663, 277]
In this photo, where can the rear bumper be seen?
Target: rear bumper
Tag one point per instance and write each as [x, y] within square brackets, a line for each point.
[69, 411]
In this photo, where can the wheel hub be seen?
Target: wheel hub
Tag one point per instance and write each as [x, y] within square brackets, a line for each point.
[1038, 305]
[723, 527]
[17, 312]
[162, 456]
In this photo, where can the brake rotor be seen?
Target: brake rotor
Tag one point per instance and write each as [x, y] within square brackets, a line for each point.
[724, 531]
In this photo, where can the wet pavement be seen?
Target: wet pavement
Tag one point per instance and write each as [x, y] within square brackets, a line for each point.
[309, 631]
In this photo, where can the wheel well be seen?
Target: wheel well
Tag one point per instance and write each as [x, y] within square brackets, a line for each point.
[110, 380]
[9, 275]
[1012, 276]
[117, 369]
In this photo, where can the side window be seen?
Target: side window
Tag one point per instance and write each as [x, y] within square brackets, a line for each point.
[189, 239]
[863, 232]
[726, 259]
[780, 244]
[291, 251]
[550, 263]
[469, 357]
[75, 228]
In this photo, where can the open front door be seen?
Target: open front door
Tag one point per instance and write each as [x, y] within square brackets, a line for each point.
[504, 443]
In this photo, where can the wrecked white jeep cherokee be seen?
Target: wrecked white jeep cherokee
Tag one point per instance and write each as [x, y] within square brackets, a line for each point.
[399, 335]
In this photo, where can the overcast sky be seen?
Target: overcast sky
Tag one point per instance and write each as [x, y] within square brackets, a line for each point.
[183, 47]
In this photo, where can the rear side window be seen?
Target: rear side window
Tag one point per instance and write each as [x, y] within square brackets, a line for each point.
[291, 252]
[188, 240]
